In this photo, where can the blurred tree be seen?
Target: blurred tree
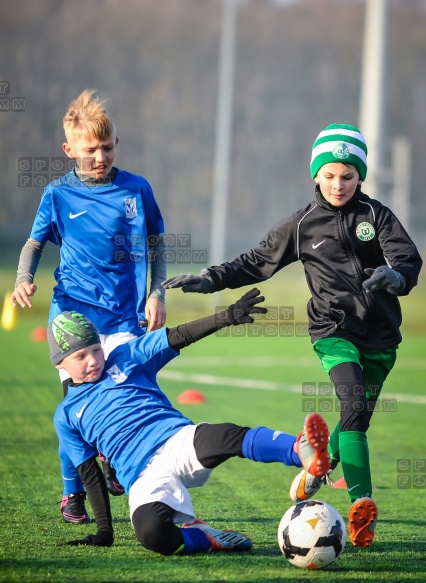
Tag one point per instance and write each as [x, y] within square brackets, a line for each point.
[298, 68]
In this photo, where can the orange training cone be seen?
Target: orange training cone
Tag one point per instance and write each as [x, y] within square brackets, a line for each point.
[9, 316]
[340, 483]
[191, 397]
[39, 335]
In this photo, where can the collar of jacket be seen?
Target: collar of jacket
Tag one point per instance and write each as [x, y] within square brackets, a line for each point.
[358, 195]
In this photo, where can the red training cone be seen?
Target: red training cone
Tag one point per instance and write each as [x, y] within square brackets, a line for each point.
[191, 397]
[39, 335]
[340, 483]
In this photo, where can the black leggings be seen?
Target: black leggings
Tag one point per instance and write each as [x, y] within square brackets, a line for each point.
[355, 409]
[153, 522]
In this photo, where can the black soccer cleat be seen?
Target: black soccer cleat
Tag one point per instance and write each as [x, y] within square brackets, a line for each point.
[113, 485]
[73, 509]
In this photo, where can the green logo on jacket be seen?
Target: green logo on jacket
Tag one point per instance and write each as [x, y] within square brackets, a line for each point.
[365, 231]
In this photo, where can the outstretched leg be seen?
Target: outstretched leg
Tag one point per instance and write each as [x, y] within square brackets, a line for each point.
[156, 531]
[185, 461]
[218, 442]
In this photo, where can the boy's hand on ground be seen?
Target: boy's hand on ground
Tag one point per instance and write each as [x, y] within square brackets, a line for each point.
[201, 284]
[22, 294]
[384, 277]
[103, 538]
[240, 312]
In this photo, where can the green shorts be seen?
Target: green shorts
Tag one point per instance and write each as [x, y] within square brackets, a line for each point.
[375, 364]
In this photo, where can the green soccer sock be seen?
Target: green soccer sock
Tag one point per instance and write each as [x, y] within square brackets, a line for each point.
[333, 446]
[355, 459]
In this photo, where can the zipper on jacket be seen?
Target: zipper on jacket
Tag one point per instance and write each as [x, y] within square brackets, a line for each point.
[352, 258]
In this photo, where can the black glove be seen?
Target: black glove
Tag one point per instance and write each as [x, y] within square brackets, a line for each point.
[202, 284]
[384, 277]
[239, 313]
[103, 538]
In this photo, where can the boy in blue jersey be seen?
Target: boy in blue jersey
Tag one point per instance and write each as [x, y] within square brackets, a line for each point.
[117, 406]
[109, 229]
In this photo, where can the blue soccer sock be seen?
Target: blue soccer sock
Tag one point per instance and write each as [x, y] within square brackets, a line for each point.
[71, 479]
[194, 541]
[261, 444]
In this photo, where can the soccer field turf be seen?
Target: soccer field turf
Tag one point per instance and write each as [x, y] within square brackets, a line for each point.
[247, 380]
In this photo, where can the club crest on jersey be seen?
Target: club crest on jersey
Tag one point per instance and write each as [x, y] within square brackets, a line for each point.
[130, 208]
[341, 151]
[116, 374]
[365, 231]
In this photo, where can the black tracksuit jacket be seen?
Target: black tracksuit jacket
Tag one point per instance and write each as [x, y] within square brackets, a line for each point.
[324, 238]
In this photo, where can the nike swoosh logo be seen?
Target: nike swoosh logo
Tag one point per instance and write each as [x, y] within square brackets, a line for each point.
[315, 245]
[80, 413]
[353, 487]
[77, 214]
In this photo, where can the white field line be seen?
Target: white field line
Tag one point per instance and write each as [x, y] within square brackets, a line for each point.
[264, 361]
[207, 379]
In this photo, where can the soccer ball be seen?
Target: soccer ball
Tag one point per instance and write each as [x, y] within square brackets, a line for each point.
[311, 534]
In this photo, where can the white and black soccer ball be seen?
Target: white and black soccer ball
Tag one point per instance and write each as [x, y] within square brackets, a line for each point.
[311, 534]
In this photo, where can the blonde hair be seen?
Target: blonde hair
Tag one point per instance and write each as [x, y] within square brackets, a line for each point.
[87, 117]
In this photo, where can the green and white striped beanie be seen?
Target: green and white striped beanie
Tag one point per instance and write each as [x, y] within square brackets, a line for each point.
[340, 143]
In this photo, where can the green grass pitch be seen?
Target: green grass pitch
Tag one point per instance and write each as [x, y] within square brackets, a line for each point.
[247, 380]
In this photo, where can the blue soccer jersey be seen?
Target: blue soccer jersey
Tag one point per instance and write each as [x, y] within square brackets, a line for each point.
[125, 414]
[102, 233]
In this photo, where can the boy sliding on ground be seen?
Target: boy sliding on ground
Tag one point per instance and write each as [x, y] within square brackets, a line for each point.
[109, 229]
[357, 259]
[117, 407]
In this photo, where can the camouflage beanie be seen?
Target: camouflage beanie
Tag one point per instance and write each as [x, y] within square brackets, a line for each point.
[69, 332]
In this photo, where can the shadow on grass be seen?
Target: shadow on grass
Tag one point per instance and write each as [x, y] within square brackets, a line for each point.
[402, 521]
[379, 563]
[145, 569]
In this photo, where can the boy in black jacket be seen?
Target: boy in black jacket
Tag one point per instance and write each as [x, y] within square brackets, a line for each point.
[357, 259]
